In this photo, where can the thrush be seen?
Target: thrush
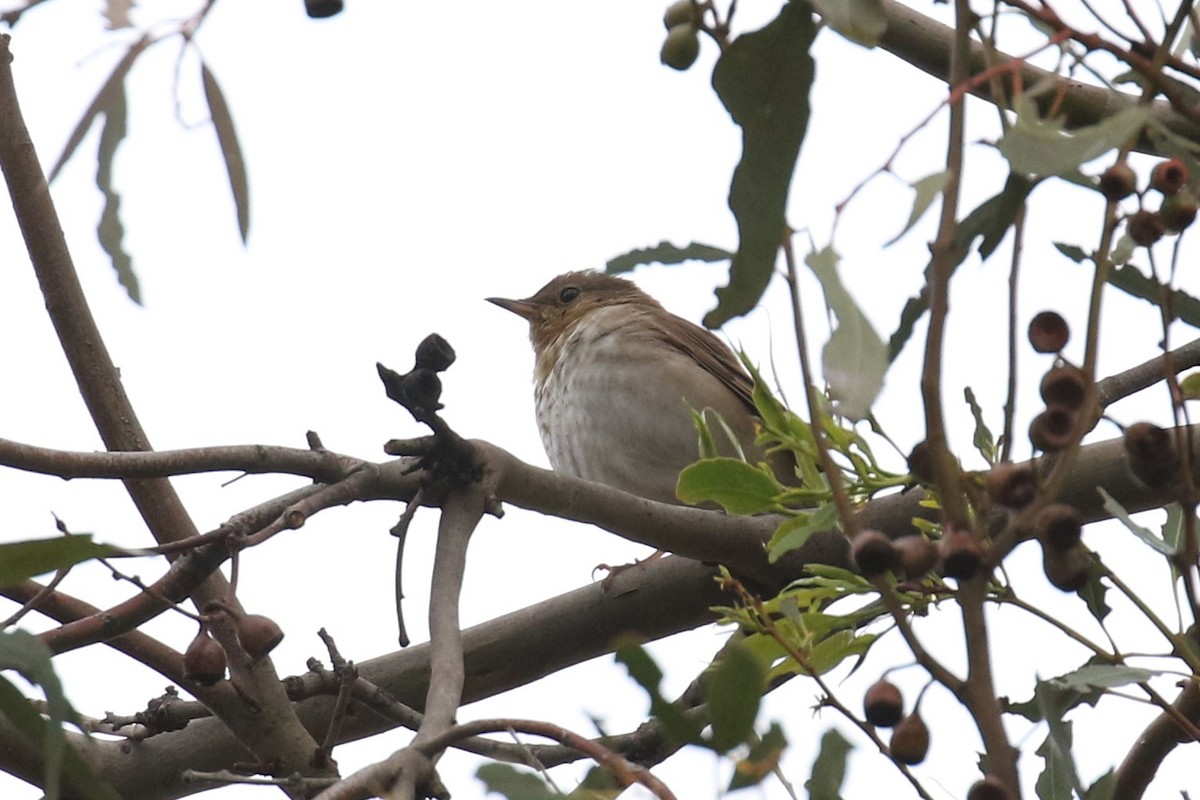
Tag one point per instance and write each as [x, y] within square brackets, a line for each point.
[616, 378]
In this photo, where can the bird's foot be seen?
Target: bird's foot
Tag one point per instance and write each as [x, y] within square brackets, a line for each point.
[613, 572]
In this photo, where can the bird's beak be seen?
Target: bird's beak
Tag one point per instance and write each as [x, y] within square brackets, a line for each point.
[522, 308]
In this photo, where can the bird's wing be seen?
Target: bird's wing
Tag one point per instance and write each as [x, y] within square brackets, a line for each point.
[715, 356]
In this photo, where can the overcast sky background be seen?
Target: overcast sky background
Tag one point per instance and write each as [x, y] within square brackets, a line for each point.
[407, 161]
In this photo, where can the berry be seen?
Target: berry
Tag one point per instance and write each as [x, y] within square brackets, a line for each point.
[681, 47]
[1051, 430]
[204, 661]
[883, 705]
[990, 788]
[917, 555]
[1058, 526]
[1145, 227]
[910, 740]
[1049, 332]
[259, 635]
[874, 553]
[1012, 485]
[681, 12]
[1118, 182]
[1064, 386]
[920, 463]
[1151, 453]
[1067, 570]
[1169, 176]
[961, 554]
[1178, 211]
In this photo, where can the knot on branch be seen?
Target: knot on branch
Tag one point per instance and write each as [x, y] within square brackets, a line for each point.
[446, 456]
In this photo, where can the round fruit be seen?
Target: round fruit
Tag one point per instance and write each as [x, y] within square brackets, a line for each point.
[920, 463]
[910, 740]
[883, 705]
[1051, 430]
[874, 553]
[1178, 211]
[259, 635]
[204, 661]
[1012, 485]
[1151, 454]
[681, 12]
[1067, 570]
[1118, 182]
[961, 554]
[990, 788]
[1064, 386]
[1049, 332]
[1169, 176]
[1058, 526]
[1145, 227]
[681, 47]
[917, 555]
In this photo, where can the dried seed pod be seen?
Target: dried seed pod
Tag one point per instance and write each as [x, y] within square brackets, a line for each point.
[1048, 332]
[1051, 430]
[883, 705]
[961, 554]
[1064, 386]
[1058, 526]
[1178, 211]
[1067, 570]
[874, 553]
[920, 462]
[259, 635]
[1012, 485]
[204, 661]
[1169, 176]
[910, 740]
[990, 788]
[1118, 182]
[917, 555]
[1145, 227]
[1153, 459]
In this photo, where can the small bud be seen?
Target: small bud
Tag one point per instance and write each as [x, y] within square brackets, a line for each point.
[1151, 453]
[873, 553]
[1169, 176]
[204, 661]
[883, 705]
[1067, 570]
[681, 12]
[961, 554]
[1144, 227]
[1118, 182]
[259, 635]
[1064, 386]
[1012, 485]
[910, 740]
[920, 463]
[1049, 332]
[1178, 211]
[990, 788]
[1051, 430]
[681, 47]
[917, 555]
[1058, 526]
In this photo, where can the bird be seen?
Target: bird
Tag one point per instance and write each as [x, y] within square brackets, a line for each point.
[616, 377]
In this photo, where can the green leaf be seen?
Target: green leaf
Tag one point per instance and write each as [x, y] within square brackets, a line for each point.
[1103, 676]
[983, 441]
[515, 784]
[763, 79]
[21, 560]
[854, 359]
[1094, 593]
[25, 653]
[707, 444]
[666, 253]
[861, 21]
[737, 486]
[1145, 534]
[760, 761]
[990, 220]
[110, 231]
[1035, 146]
[829, 770]
[115, 79]
[1072, 251]
[1104, 788]
[1131, 280]
[793, 532]
[231, 150]
[836, 648]
[1058, 776]
[927, 189]
[1190, 386]
[598, 784]
[734, 692]
[676, 724]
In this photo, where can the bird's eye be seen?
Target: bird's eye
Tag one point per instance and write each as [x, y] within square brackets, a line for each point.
[568, 294]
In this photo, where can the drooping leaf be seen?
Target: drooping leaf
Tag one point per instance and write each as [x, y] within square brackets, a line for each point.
[990, 220]
[829, 769]
[231, 150]
[763, 79]
[760, 761]
[1094, 593]
[1058, 776]
[676, 724]
[735, 690]
[22, 560]
[927, 190]
[984, 442]
[1104, 787]
[737, 486]
[25, 653]
[1036, 146]
[861, 21]
[115, 79]
[110, 231]
[854, 359]
[1145, 534]
[1104, 676]
[666, 253]
[1072, 251]
[1131, 280]
[795, 531]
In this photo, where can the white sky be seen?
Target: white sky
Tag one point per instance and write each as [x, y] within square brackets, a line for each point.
[408, 160]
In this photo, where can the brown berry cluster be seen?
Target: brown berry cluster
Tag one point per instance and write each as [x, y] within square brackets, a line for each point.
[1175, 213]
[883, 707]
[1065, 560]
[1151, 454]
[205, 660]
[875, 554]
[682, 45]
